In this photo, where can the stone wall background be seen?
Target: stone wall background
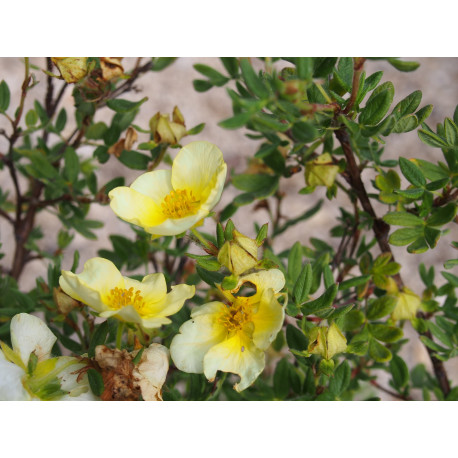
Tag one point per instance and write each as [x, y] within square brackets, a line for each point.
[436, 78]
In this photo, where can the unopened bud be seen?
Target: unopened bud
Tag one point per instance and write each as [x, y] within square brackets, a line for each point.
[407, 306]
[72, 69]
[321, 171]
[111, 67]
[166, 131]
[327, 341]
[239, 254]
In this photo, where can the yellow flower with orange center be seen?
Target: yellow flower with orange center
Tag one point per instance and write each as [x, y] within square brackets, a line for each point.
[102, 287]
[232, 336]
[169, 202]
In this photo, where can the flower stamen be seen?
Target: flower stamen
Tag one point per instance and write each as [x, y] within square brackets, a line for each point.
[235, 317]
[179, 203]
[121, 297]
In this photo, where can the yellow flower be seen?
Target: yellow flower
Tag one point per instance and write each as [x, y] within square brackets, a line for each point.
[27, 371]
[102, 287]
[407, 306]
[169, 202]
[327, 342]
[232, 337]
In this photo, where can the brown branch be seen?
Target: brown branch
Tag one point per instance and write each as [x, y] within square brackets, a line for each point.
[358, 63]
[391, 393]
[6, 216]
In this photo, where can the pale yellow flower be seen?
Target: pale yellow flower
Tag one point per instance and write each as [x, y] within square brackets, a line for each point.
[327, 341]
[28, 372]
[169, 202]
[232, 337]
[102, 287]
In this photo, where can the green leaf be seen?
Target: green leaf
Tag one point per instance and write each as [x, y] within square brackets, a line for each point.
[404, 236]
[229, 282]
[377, 105]
[450, 263]
[385, 333]
[219, 235]
[451, 132]
[5, 96]
[410, 193]
[442, 215]
[304, 67]
[196, 129]
[304, 131]
[124, 106]
[95, 382]
[61, 120]
[96, 131]
[262, 234]
[202, 85]
[453, 279]
[231, 64]
[236, 121]
[253, 82]
[31, 118]
[98, 338]
[423, 113]
[294, 262]
[418, 246]
[159, 63]
[262, 185]
[432, 345]
[323, 302]
[303, 284]
[114, 183]
[352, 282]
[323, 66]
[215, 77]
[71, 165]
[134, 160]
[341, 379]
[432, 236]
[402, 219]
[440, 335]
[406, 124]
[209, 277]
[379, 352]
[295, 338]
[369, 84]
[402, 65]
[399, 371]
[228, 230]
[412, 172]
[407, 105]
[431, 139]
[281, 379]
[381, 307]
[207, 262]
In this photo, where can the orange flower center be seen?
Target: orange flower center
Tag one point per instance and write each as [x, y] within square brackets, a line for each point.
[235, 316]
[121, 297]
[179, 203]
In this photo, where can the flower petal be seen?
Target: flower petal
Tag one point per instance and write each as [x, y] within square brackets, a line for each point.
[91, 286]
[197, 336]
[151, 371]
[134, 207]
[200, 167]
[156, 184]
[174, 300]
[263, 279]
[153, 287]
[11, 388]
[268, 320]
[237, 355]
[30, 334]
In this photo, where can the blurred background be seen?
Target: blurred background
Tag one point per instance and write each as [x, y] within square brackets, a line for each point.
[436, 78]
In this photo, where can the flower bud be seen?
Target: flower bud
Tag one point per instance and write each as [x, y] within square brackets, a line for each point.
[239, 254]
[72, 69]
[407, 306]
[111, 67]
[166, 131]
[327, 341]
[321, 171]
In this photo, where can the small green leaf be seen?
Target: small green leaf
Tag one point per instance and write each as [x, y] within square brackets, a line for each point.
[196, 129]
[414, 193]
[207, 262]
[404, 236]
[237, 121]
[402, 219]
[352, 282]
[402, 65]
[453, 279]
[341, 379]
[231, 64]
[214, 76]
[31, 118]
[304, 67]
[61, 120]
[230, 282]
[323, 302]
[202, 85]
[281, 379]
[159, 63]
[134, 160]
[399, 371]
[228, 230]
[253, 82]
[262, 234]
[71, 164]
[432, 139]
[379, 352]
[450, 263]
[219, 235]
[95, 382]
[98, 338]
[303, 284]
[412, 172]
[5, 96]
[294, 262]
[377, 105]
[381, 307]
[295, 338]
[124, 106]
[385, 333]
[407, 105]
[442, 215]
